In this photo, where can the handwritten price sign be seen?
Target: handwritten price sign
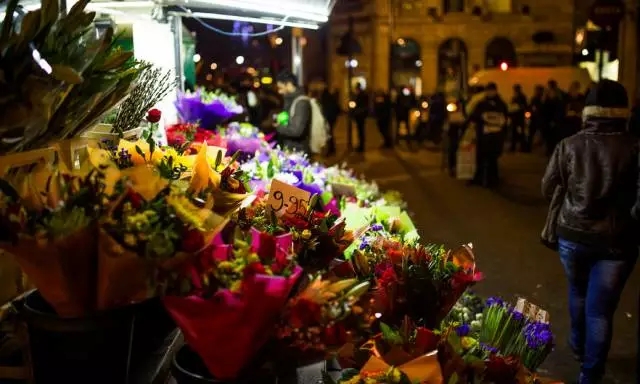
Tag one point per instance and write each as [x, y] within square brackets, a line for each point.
[532, 311]
[287, 199]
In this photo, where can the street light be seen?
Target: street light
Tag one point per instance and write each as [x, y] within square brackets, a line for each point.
[240, 60]
[278, 41]
[197, 58]
[214, 66]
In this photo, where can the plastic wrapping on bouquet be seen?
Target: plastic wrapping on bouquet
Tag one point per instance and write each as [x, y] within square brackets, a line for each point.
[124, 276]
[228, 329]
[64, 271]
[269, 246]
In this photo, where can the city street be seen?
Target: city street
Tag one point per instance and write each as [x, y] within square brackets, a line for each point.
[504, 227]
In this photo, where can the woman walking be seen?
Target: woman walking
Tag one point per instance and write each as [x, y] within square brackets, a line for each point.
[594, 177]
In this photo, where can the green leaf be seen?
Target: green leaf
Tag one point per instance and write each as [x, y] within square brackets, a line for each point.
[50, 12]
[218, 159]
[116, 60]
[152, 145]
[139, 151]
[453, 379]
[389, 335]
[66, 74]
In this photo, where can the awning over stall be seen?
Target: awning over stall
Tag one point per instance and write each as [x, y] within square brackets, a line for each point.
[295, 13]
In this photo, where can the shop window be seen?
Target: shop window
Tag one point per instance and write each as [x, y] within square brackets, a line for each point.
[451, 6]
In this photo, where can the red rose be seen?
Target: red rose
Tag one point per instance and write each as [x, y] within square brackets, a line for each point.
[267, 249]
[335, 335]
[134, 198]
[304, 313]
[255, 268]
[154, 115]
[192, 241]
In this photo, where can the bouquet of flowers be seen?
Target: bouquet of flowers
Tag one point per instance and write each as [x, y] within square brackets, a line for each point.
[239, 293]
[246, 139]
[422, 282]
[407, 354]
[324, 316]
[49, 223]
[505, 348]
[318, 237]
[151, 230]
[208, 109]
[184, 135]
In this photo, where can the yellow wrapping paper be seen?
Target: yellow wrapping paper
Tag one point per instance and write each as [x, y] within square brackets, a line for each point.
[424, 369]
[63, 270]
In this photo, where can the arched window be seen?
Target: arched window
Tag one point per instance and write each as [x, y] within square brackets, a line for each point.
[500, 50]
[406, 62]
[452, 66]
[450, 6]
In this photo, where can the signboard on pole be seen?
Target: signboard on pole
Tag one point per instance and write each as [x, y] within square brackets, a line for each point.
[607, 13]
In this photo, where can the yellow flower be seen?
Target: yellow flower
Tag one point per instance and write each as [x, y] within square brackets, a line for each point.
[468, 342]
[225, 265]
[130, 239]
[394, 374]
[235, 286]
[306, 234]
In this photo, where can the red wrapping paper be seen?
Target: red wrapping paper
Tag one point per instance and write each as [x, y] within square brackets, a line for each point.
[229, 329]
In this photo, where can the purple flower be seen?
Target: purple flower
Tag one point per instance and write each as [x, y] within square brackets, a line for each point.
[517, 316]
[538, 335]
[377, 227]
[495, 301]
[489, 348]
[364, 244]
[463, 330]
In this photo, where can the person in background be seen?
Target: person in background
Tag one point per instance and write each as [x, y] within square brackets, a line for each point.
[331, 111]
[359, 114]
[573, 115]
[489, 119]
[536, 119]
[296, 133]
[437, 116]
[553, 111]
[382, 110]
[596, 171]
[517, 110]
[403, 106]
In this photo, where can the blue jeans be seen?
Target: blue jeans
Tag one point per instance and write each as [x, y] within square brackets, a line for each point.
[596, 279]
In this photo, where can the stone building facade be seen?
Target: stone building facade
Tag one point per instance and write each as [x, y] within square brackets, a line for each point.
[425, 43]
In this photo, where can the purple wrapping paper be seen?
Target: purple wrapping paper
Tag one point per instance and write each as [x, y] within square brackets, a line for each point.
[192, 109]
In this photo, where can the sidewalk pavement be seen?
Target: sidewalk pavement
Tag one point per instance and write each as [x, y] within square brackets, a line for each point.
[521, 173]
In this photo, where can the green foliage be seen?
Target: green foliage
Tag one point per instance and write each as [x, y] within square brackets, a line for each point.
[77, 80]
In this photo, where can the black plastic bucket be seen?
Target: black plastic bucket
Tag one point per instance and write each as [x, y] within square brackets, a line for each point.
[152, 330]
[187, 368]
[94, 349]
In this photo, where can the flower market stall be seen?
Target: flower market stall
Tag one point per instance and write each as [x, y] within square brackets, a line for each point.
[213, 257]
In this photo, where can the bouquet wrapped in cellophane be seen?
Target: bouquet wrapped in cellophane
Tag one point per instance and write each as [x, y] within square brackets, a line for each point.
[164, 215]
[49, 218]
[403, 355]
[208, 109]
[422, 282]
